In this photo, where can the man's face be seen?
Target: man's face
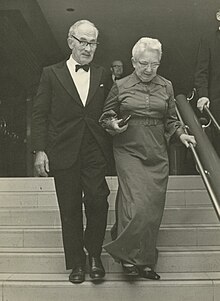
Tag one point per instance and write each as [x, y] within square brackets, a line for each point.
[146, 65]
[117, 69]
[83, 54]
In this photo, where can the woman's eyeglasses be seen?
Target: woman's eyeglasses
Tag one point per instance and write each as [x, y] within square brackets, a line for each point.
[146, 65]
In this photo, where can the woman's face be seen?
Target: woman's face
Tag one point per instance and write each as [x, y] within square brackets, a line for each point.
[146, 65]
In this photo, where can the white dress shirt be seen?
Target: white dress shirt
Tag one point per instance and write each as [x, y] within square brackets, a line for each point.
[81, 79]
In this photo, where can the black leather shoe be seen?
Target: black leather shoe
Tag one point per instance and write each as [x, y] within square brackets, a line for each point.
[149, 274]
[130, 269]
[77, 275]
[97, 271]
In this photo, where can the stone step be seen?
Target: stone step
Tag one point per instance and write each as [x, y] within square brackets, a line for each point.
[51, 260]
[28, 184]
[34, 184]
[51, 237]
[49, 216]
[30, 236]
[174, 198]
[184, 191]
[56, 287]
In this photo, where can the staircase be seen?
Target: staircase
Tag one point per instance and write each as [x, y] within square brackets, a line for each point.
[32, 260]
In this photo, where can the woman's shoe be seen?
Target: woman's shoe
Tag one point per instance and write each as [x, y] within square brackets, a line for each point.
[130, 269]
[149, 274]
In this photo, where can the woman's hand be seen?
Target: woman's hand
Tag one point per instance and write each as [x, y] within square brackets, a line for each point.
[116, 128]
[186, 139]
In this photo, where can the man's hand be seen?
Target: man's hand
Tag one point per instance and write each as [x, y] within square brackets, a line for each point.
[203, 101]
[41, 164]
[186, 139]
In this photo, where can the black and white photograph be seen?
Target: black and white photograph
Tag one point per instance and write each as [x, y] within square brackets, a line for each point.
[109, 150]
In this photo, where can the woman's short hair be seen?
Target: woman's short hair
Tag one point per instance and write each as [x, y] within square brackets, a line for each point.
[74, 27]
[146, 44]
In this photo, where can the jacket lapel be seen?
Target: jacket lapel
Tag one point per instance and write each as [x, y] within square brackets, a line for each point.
[65, 78]
[95, 79]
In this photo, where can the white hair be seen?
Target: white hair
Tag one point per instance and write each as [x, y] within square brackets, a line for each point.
[74, 27]
[146, 44]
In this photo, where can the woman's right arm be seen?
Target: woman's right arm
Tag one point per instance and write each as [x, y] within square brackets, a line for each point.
[109, 119]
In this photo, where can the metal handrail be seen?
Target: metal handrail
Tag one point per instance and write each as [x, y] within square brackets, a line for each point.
[207, 160]
[212, 118]
[206, 124]
[206, 109]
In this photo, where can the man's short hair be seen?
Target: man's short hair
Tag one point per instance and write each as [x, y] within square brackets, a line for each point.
[146, 43]
[74, 27]
[113, 63]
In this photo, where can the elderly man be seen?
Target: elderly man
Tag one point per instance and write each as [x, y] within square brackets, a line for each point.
[207, 77]
[71, 146]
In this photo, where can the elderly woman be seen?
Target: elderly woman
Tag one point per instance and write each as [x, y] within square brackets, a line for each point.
[140, 151]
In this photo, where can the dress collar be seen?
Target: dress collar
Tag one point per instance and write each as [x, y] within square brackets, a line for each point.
[134, 79]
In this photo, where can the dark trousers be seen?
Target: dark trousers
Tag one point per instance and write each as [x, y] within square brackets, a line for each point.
[88, 175]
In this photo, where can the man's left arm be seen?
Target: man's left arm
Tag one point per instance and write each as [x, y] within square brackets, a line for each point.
[41, 109]
[40, 113]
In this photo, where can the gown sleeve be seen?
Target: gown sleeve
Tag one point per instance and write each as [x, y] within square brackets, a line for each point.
[173, 127]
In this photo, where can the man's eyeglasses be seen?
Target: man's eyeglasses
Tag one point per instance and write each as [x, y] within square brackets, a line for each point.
[84, 44]
[118, 66]
[146, 65]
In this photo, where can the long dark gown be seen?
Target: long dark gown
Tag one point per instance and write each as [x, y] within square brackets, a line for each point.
[141, 163]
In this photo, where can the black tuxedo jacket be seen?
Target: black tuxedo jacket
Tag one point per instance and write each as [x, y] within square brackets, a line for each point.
[207, 75]
[59, 118]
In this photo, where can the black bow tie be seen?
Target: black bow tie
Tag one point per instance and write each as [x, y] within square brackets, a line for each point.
[84, 67]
